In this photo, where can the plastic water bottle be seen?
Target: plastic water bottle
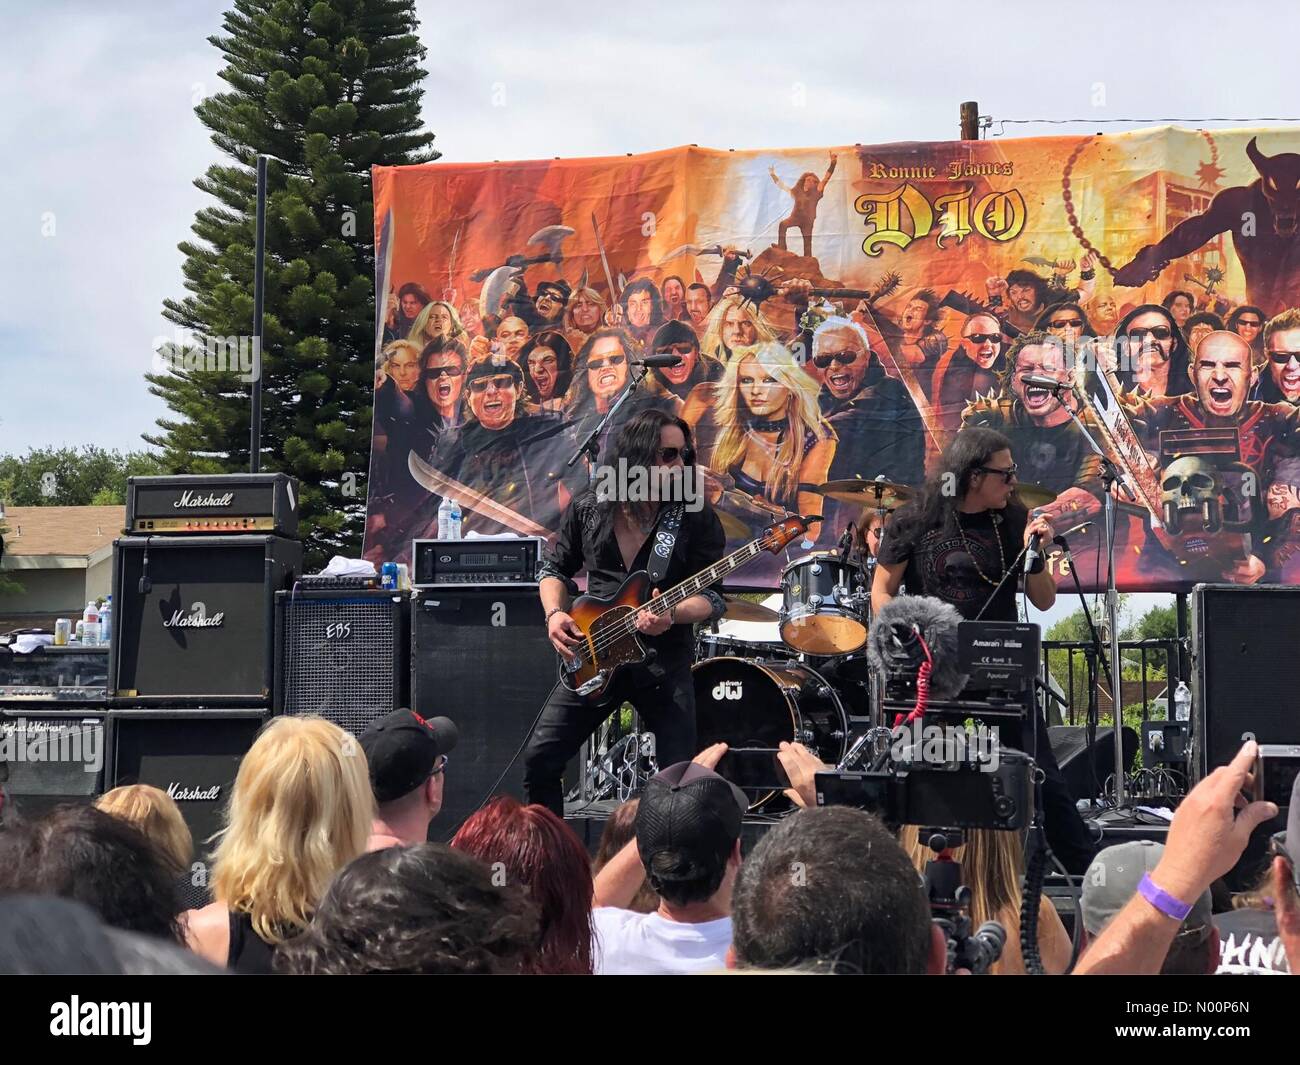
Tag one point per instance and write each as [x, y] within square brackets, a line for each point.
[449, 519]
[1182, 702]
[106, 621]
[90, 626]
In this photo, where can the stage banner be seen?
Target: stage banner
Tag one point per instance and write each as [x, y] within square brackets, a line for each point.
[839, 315]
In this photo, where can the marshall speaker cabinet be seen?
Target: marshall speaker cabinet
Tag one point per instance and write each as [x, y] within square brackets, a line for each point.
[194, 618]
[192, 755]
[342, 654]
[209, 504]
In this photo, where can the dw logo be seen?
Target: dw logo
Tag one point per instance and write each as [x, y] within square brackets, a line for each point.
[727, 689]
[498, 615]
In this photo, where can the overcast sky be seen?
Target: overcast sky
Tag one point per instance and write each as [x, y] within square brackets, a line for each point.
[101, 144]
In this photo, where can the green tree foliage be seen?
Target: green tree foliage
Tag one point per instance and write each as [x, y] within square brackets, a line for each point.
[71, 477]
[326, 89]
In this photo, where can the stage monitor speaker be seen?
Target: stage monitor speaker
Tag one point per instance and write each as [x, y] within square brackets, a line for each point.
[194, 618]
[482, 659]
[1243, 637]
[1070, 745]
[344, 655]
[50, 759]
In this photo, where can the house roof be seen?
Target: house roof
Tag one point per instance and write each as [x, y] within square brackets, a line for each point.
[61, 531]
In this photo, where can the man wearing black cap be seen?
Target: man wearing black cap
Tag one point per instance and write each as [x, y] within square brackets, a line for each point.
[688, 846]
[407, 757]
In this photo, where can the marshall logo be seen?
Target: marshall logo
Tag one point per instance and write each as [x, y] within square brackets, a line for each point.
[197, 618]
[190, 498]
[181, 793]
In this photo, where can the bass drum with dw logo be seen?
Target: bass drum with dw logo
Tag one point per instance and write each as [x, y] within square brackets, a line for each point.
[753, 706]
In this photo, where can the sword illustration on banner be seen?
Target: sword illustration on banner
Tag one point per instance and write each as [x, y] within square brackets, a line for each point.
[614, 293]
[938, 435]
[440, 484]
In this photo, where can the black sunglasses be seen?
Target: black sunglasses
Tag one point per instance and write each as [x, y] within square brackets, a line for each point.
[1158, 332]
[432, 373]
[1281, 358]
[844, 358]
[1067, 323]
[985, 338]
[1008, 475]
[670, 454]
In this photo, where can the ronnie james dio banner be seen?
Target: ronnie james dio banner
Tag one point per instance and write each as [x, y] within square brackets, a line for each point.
[838, 315]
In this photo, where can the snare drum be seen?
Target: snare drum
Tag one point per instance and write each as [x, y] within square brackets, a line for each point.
[824, 605]
[753, 706]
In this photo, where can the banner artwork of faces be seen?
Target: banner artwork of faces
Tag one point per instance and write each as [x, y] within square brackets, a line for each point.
[839, 315]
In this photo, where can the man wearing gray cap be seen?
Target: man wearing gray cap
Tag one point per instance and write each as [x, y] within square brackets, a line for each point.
[1120, 872]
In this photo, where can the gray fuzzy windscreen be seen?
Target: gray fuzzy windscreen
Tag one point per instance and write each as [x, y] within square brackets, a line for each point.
[938, 623]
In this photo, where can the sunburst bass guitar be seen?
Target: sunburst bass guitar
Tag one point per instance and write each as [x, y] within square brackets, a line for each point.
[608, 626]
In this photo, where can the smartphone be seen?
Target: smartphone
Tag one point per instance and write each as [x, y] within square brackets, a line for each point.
[754, 768]
[1276, 767]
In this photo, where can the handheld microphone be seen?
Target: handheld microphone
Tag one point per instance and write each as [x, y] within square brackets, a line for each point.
[658, 360]
[1034, 551]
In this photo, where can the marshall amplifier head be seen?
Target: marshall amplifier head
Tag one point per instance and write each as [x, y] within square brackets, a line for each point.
[212, 504]
[195, 618]
[483, 560]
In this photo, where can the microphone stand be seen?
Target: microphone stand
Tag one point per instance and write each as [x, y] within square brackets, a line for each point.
[1111, 476]
[1094, 710]
[589, 446]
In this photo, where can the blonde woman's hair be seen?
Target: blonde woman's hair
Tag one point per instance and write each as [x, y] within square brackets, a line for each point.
[992, 865]
[711, 342]
[802, 412]
[156, 815]
[300, 810]
[417, 335]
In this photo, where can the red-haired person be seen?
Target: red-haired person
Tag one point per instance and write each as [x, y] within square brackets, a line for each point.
[532, 846]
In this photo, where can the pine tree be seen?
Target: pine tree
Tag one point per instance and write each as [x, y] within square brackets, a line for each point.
[326, 89]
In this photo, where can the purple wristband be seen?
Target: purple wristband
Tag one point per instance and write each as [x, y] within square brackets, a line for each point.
[1162, 900]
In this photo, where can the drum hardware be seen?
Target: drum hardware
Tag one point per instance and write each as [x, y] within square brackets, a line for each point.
[619, 772]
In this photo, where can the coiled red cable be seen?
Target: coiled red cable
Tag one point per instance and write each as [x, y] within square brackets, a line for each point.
[922, 683]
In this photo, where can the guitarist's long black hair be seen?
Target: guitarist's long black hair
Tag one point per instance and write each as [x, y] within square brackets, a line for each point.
[638, 445]
[966, 452]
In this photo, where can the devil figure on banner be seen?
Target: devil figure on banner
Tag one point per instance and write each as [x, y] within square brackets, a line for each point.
[932, 287]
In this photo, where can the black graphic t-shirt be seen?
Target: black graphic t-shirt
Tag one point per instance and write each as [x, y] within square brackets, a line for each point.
[947, 563]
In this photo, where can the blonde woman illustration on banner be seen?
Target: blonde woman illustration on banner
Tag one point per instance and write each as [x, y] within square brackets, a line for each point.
[773, 443]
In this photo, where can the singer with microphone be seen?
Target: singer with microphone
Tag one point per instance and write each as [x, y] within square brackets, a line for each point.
[957, 541]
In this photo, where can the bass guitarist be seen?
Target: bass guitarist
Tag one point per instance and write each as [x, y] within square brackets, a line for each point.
[611, 538]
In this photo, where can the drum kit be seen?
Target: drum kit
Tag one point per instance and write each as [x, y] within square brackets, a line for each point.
[812, 685]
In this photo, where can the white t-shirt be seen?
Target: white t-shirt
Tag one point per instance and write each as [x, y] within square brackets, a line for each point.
[644, 944]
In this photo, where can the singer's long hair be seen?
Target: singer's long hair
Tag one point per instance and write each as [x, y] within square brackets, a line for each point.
[966, 452]
[637, 444]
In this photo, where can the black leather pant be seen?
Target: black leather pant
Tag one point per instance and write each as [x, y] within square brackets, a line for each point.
[662, 692]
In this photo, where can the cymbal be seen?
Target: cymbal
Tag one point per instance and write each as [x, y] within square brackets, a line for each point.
[878, 494]
[1035, 495]
[744, 610]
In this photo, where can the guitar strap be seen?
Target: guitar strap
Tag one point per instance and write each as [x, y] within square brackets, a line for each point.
[661, 552]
